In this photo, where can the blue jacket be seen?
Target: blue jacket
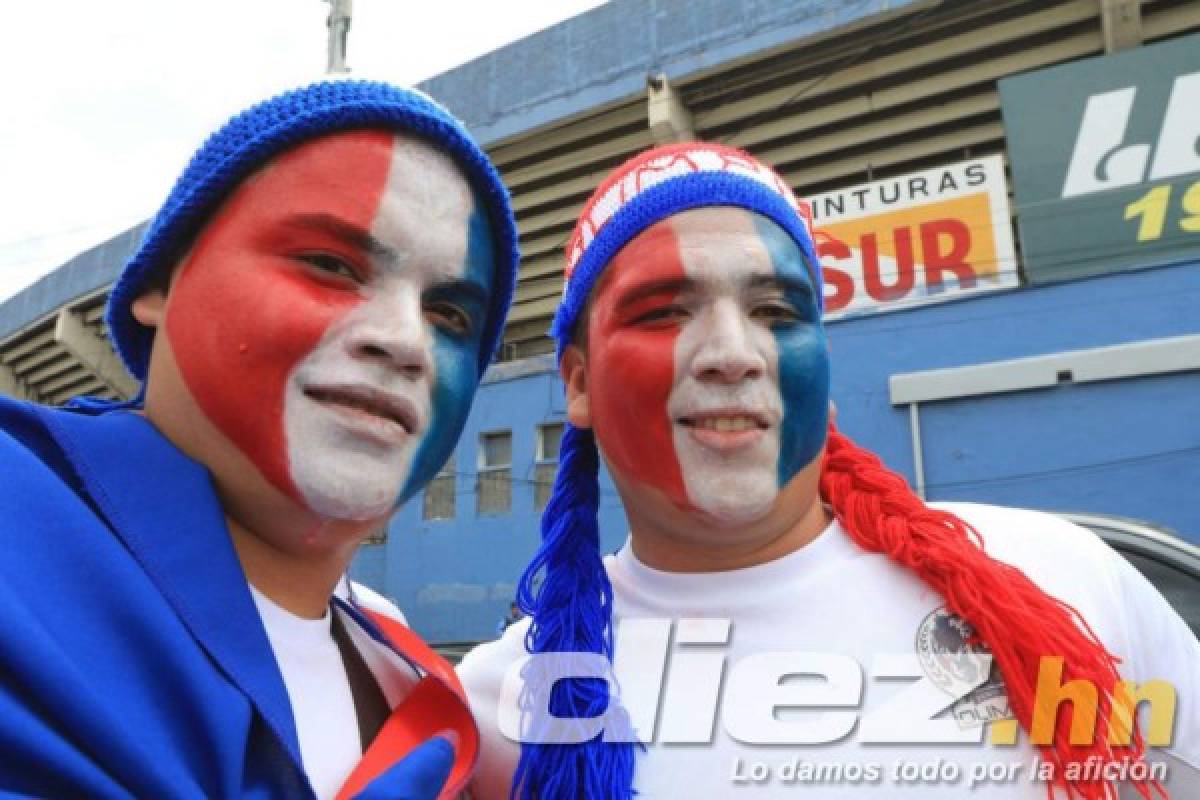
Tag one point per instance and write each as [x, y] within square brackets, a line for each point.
[132, 659]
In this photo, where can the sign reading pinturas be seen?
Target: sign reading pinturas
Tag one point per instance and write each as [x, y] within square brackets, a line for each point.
[1105, 159]
[916, 238]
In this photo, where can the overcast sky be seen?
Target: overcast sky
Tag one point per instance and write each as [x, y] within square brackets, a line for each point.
[105, 101]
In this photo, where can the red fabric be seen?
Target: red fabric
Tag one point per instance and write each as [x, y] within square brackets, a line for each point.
[436, 704]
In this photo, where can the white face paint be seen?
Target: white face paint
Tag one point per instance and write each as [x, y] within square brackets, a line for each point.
[349, 462]
[726, 386]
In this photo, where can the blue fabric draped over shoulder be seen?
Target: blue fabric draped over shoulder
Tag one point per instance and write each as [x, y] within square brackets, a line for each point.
[132, 660]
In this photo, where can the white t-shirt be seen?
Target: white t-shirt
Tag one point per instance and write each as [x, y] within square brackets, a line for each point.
[831, 597]
[317, 686]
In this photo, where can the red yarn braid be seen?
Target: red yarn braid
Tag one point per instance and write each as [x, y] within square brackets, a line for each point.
[1017, 621]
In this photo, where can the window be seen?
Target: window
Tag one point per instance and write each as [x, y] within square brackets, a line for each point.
[548, 443]
[439, 494]
[494, 494]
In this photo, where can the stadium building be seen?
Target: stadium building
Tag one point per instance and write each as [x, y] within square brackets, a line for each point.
[1012, 188]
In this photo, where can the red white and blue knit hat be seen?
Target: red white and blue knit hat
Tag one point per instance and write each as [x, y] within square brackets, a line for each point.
[255, 136]
[659, 183]
[565, 589]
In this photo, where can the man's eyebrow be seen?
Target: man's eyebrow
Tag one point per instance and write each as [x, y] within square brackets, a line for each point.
[639, 291]
[348, 232]
[472, 288]
[786, 283]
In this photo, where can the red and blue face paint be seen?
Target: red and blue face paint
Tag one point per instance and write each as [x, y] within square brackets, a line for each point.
[708, 374]
[312, 317]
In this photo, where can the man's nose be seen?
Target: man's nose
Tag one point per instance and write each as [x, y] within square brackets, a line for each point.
[390, 330]
[729, 352]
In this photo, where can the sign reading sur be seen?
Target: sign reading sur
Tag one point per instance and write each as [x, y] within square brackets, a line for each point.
[918, 238]
[1107, 176]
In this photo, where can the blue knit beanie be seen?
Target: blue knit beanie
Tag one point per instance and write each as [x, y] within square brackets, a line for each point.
[565, 589]
[255, 136]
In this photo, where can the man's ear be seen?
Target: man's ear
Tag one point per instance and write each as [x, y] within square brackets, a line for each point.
[148, 307]
[573, 370]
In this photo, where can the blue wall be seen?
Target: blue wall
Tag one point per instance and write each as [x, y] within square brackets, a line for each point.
[1129, 447]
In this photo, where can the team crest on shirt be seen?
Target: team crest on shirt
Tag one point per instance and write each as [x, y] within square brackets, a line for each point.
[947, 652]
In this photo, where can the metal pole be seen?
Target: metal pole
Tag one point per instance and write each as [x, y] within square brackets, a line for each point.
[914, 419]
[338, 23]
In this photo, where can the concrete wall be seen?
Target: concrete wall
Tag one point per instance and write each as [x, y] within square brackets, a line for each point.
[1127, 447]
[606, 54]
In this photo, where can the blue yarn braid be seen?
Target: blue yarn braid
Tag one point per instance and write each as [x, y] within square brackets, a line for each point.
[571, 611]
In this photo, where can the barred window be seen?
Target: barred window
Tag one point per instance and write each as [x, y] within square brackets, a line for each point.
[494, 491]
[439, 494]
[546, 467]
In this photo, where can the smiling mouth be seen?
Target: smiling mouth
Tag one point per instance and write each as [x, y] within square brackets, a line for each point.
[724, 422]
[725, 431]
[367, 402]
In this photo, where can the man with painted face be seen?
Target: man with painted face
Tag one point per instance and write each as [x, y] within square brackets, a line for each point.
[764, 543]
[310, 311]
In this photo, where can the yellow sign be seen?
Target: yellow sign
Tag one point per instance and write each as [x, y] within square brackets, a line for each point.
[918, 238]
